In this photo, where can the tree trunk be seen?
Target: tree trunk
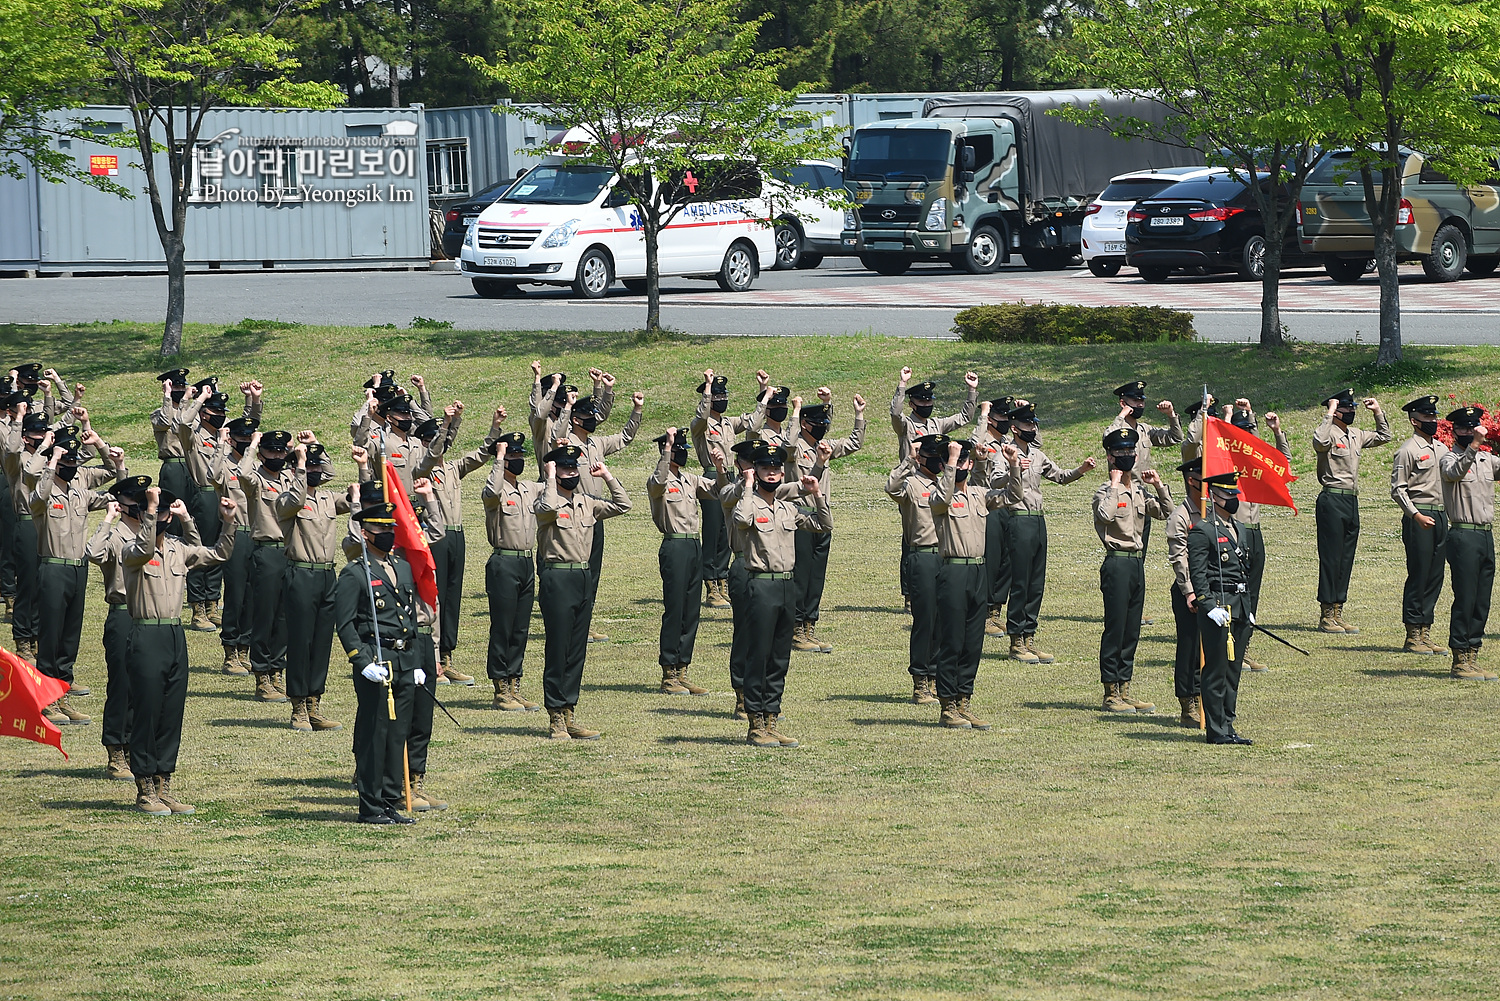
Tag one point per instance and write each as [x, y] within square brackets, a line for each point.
[171, 336]
[1270, 297]
[653, 274]
[1390, 295]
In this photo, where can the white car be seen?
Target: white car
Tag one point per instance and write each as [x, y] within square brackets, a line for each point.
[807, 230]
[570, 224]
[1104, 219]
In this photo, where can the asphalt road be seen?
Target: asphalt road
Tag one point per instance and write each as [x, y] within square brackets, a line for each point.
[838, 298]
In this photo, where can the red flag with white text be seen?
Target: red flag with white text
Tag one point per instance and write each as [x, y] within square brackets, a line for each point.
[410, 538]
[24, 691]
[1265, 474]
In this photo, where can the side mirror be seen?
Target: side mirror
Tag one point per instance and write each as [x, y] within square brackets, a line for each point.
[966, 157]
[617, 199]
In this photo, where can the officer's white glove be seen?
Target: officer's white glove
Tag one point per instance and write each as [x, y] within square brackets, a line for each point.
[376, 673]
[1219, 616]
[419, 676]
[1250, 617]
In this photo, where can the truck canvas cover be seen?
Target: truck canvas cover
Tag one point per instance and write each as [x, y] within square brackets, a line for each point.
[1060, 160]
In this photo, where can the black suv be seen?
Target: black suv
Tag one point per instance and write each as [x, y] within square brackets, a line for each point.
[1210, 223]
[456, 217]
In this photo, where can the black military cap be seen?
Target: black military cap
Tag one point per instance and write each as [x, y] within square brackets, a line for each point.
[1242, 419]
[131, 486]
[1223, 480]
[564, 455]
[780, 395]
[377, 514]
[426, 429]
[933, 444]
[371, 492]
[31, 370]
[1422, 405]
[34, 424]
[1193, 467]
[176, 376]
[515, 440]
[385, 378]
[1022, 412]
[921, 391]
[1122, 440]
[396, 405]
[548, 381]
[721, 385]
[1191, 410]
[585, 407]
[216, 402]
[682, 439]
[766, 454]
[744, 450]
[964, 448]
[317, 455]
[1132, 389]
[212, 382]
[385, 394]
[164, 500]
[1344, 397]
[243, 426]
[1002, 405]
[275, 440]
[818, 413]
[68, 452]
[12, 400]
[1467, 417]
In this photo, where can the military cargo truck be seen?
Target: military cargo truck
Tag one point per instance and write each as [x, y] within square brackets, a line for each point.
[982, 175]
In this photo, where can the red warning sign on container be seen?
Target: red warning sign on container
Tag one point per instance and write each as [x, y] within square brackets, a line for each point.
[104, 165]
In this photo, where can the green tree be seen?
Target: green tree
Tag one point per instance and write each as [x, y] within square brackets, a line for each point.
[1244, 80]
[172, 60]
[662, 90]
[1407, 74]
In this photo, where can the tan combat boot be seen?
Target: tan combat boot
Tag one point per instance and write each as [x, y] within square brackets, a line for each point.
[215, 613]
[421, 799]
[503, 701]
[739, 704]
[52, 714]
[265, 688]
[1252, 665]
[1474, 666]
[801, 641]
[164, 793]
[579, 732]
[822, 646]
[278, 681]
[597, 637]
[951, 718]
[1461, 669]
[758, 736]
[1338, 616]
[718, 594]
[119, 764]
[146, 799]
[994, 625]
[1414, 642]
[1113, 703]
[515, 694]
[968, 714]
[1134, 703]
[919, 694]
[1326, 622]
[1190, 717]
[74, 716]
[243, 652]
[557, 724]
[1041, 656]
[200, 621]
[776, 734]
[299, 716]
[1018, 650]
[232, 663]
[669, 685]
[1437, 649]
[682, 679]
[452, 673]
[79, 691]
[320, 723]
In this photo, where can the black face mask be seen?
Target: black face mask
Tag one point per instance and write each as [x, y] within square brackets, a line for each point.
[588, 423]
[133, 511]
[274, 465]
[768, 486]
[515, 467]
[960, 475]
[32, 443]
[1461, 440]
[1230, 506]
[718, 406]
[214, 421]
[1429, 428]
[680, 456]
[1124, 463]
[568, 482]
[1346, 416]
[1000, 427]
[383, 541]
[66, 473]
[1029, 437]
[922, 410]
[933, 464]
[1135, 412]
[239, 444]
[178, 394]
[777, 413]
[316, 477]
[815, 431]
[402, 426]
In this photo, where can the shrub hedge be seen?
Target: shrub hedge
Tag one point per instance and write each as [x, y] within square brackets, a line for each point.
[1050, 323]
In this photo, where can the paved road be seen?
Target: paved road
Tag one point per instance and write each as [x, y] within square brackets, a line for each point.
[838, 298]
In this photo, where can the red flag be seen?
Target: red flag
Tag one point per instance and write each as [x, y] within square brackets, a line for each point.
[23, 692]
[1265, 474]
[410, 538]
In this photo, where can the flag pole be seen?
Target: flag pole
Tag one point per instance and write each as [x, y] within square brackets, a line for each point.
[385, 492]
[1202, 513]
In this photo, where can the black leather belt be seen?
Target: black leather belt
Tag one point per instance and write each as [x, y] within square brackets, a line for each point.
[388, 644]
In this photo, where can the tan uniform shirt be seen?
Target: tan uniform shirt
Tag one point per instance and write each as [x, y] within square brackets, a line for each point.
[990, 466]
[729, 492]
[674, 497]
[107, 545]
[912, 491]
[225, 469]
[808, 458]
[1416, 479]
[509, 510]
[960, 513]
[597, 447]
[167, 445]
[1150, 435]
[310, 520]
[263, 489]
[771, 529]
[61, 511]
[156, 569]
[544, 429]
[1179, 523]
[198, 441]
[405, 454]
[1120, 513]
[1338, 450]
[1027, 495]
[566, 525]
[22, 468]
[447, 477]
[1469, 479]
[709, 429]
[909, 427]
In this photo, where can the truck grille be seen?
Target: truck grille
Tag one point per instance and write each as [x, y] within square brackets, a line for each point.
[506, 238]
[875, 215]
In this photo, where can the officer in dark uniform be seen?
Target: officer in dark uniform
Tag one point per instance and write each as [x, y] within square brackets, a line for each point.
[375, 610]
[1218, 564]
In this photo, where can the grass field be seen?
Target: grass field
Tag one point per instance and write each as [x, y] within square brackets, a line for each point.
[1351, 853]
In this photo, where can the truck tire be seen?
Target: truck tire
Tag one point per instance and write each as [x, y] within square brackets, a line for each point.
[1483, 266]
[1154, 273]
[594, 276]
[788, 246]
[1103, 269]
[985, 253]
[1046, 258]
[489, 288]
[737, 273]
[886, 264]
[1252, 259]
[808, 261]
[1345, 270]
[1450, 252]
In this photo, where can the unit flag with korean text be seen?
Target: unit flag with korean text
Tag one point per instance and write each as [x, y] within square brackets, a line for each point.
[410, 538]
[24, 692]
[1265, 474]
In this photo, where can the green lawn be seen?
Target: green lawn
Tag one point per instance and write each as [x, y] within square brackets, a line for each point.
[1350, 853]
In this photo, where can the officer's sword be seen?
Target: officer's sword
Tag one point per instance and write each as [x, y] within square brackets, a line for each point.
[439, 703]
[1278, 639]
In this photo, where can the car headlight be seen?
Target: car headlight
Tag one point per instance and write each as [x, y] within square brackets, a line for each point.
[561, 236]
[849, 221]
[469, 234]
[937, 215]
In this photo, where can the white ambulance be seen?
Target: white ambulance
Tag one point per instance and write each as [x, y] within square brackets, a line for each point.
[572, 224]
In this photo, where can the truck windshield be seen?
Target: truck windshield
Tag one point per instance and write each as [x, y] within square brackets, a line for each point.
[1343, 168]
[566, 184]
[897, 154]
